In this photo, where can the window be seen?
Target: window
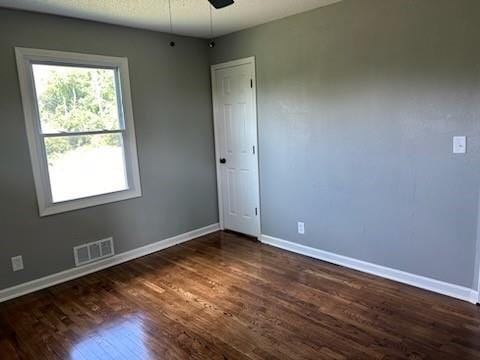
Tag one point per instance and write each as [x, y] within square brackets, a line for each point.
[79, 123]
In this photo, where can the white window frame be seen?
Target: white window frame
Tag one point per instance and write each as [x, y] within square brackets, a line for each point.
[25, 58]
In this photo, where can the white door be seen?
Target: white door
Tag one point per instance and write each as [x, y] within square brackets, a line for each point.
[235, 114]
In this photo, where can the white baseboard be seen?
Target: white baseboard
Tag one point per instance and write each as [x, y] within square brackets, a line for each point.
[437, 286]
[70, 274]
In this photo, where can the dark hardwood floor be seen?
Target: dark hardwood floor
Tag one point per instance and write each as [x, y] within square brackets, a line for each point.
[226, 297]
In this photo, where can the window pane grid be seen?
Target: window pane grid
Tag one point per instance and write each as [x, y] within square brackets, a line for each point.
[80, 133]
[81, 124]
[81, 166]
[77, 99]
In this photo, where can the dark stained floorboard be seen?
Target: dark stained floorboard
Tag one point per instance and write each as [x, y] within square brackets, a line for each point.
[224, 296]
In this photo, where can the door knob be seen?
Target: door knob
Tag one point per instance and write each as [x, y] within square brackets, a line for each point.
[223, 161]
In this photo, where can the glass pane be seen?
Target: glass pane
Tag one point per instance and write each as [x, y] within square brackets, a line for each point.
[74, 99]
[82, 166]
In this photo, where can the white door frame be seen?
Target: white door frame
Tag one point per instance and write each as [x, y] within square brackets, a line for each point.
[244, 61]
[477, 258]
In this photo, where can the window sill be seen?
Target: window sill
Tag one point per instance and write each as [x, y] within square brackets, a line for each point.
[57, 208]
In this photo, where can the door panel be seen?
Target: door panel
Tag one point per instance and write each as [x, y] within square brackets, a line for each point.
[236, 142]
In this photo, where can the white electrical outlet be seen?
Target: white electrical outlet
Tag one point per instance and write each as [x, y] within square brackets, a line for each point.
[459, 144]
[301, 228]
[17, 263]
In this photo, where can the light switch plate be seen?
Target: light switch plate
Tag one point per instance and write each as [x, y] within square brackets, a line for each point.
[459, 144]
[17, 263]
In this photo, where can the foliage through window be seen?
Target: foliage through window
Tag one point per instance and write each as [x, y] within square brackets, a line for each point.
[80, 126]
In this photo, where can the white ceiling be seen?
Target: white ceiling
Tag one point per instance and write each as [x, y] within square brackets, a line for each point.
[190, 17]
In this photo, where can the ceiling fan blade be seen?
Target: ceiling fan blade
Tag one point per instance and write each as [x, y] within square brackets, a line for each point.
[218, 4]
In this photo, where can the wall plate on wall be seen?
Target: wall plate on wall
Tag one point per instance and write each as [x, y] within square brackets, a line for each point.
[17, 263]
[459, 144]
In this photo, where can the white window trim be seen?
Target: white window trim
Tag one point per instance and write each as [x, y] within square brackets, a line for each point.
[25, 57]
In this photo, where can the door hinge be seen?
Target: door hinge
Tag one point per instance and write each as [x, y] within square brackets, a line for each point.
[256, 211]
[251, 83]
[253, 149]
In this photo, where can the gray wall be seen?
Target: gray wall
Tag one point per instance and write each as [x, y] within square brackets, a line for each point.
[172, 112]
[357, 106]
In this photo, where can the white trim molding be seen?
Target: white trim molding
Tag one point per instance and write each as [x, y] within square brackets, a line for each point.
[26, 59]
[70, 274]
[452, 290]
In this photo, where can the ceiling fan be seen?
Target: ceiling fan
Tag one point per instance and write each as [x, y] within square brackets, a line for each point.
[219, 4]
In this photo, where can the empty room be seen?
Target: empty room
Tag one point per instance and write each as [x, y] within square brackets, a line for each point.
[239, 179]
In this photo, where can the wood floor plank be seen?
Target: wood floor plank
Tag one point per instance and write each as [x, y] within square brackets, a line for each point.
[224, 296]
